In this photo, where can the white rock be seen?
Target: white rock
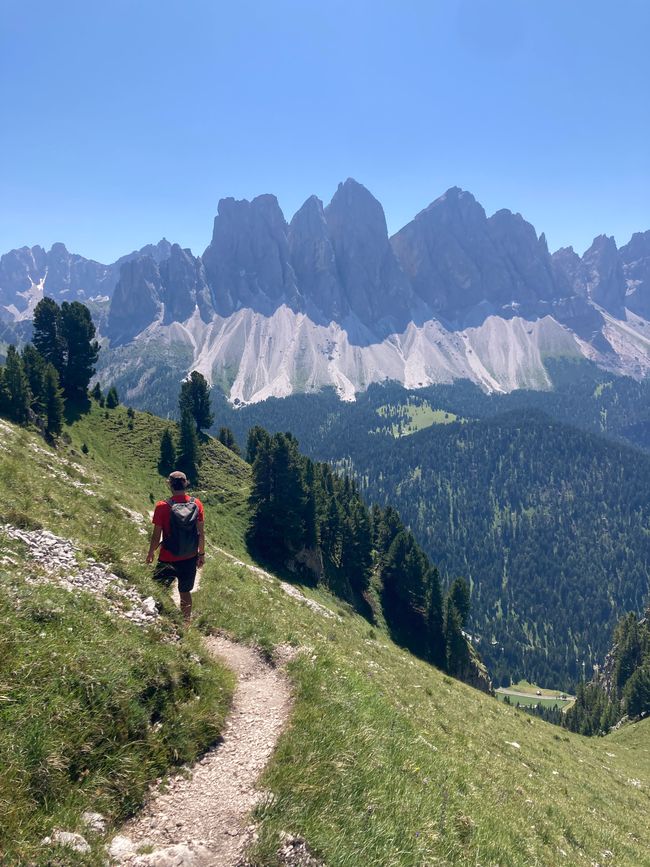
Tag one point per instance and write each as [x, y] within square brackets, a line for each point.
[94, 821]
[179, 855]
[121, 846]
[67, 838]
[149, 606]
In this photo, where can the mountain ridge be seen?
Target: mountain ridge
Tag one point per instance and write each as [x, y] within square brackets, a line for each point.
[437, 292]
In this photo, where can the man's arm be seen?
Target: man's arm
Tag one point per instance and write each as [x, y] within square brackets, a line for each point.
[201, 528]
[155, 541]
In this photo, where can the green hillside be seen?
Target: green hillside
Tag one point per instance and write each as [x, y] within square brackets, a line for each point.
[386, 760]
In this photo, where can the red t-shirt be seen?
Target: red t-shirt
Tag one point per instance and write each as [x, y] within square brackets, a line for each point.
[162, 518]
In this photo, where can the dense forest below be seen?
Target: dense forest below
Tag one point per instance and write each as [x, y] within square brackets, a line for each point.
[583, 395]
[551, 526]
[548, 523]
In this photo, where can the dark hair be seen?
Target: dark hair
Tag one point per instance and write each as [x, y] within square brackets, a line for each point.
[178, 484]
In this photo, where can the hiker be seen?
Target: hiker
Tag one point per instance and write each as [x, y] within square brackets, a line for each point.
[179, 522]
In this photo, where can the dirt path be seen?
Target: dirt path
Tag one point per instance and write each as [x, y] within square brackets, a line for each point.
[202, 820]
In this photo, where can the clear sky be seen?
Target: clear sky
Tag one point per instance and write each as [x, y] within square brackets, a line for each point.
[125, 120]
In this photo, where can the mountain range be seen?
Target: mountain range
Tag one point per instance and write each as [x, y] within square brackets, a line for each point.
[273, 308]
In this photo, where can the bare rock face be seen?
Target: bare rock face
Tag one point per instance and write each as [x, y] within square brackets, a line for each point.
[375, 288]
[28, 273]
[601, 273]
[185, 286]
[567, 265]
[635, 257]
[458, 260]
[314, 263]
[247, 262]
[137, 300]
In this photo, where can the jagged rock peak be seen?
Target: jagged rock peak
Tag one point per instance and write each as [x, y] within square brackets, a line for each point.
[137, 300]
[352, 202]
[247, 261]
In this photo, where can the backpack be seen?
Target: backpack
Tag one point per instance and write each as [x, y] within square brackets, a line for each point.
[183, 539]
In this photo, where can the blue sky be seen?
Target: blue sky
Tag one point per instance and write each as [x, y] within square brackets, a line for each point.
[123, 121]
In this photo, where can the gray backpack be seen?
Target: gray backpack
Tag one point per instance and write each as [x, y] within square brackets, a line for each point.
[183, 539]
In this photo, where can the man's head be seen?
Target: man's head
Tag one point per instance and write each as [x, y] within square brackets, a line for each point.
[178, 482]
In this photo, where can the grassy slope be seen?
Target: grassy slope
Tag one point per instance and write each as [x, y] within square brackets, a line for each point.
[81, 725]
[387, 761]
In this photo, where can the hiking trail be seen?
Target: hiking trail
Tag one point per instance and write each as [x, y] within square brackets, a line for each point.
[201, 820]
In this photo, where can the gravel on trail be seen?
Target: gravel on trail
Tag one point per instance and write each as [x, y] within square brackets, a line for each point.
[202, 820]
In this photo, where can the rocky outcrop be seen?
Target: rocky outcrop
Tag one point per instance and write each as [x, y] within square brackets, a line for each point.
[314, 263]
[28, 273]
[466, 266]
[635, 257]
[601, 275]
[169, 291]
[137, 300]
[247, 262]
[184, 286]
[375, 288]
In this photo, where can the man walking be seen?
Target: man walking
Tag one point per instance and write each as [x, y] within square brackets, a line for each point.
[179, 522]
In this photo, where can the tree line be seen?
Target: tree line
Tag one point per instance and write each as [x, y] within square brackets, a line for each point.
[622, 687]
[309, 521]
[51, 372]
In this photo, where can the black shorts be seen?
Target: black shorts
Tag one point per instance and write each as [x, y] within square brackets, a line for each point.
[183, 570]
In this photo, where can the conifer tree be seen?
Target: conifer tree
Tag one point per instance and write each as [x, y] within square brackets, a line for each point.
[96, 392]
[257, 436]
[227, 438]
[34, 365]
[112, 398]
[81, 349]
[16, 386]
[167, 459]
[189, 456]
[310, 512]
[457, 651]
[53, 404]
[356, 555]
[48, 333]
[288, 496]
[195, 396]
[435, 620]
[460, 596]
[404, 592]
[261, 507]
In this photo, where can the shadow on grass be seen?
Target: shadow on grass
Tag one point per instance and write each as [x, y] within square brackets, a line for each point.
[76, 407]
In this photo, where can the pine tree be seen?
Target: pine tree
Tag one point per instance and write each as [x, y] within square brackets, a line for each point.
[457, 651]
[404, 592]
[167, 460]
[195, 396]
[460, 596]
[356, 554]
[257, 437]
[227, 438]
[48, 333]
[435, 620]
[260, 503]
[189, 456]
[288, 496]
[34, 365]
[96, 392]
[310, 511]
[16, 385]
[112, 398]
[81, 349]
[53, 404]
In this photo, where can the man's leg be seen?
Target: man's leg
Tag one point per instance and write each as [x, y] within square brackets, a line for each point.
[186, 571]
[186, 606]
